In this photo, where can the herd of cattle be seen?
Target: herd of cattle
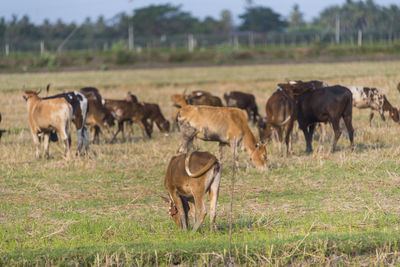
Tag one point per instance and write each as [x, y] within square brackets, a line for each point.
[200, 114]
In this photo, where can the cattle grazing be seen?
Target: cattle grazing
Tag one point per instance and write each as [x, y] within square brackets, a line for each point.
[152, 113]
[225, 125]
[243, 101]
[203, 98]
[178, 101]
[374, 99]
[187, 180]
[99, 118]
[79, 105]
[46, 116]
[281, 115]
[123, 110]
[328, 104]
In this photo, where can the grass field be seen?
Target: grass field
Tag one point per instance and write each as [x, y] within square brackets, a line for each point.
[105, 209]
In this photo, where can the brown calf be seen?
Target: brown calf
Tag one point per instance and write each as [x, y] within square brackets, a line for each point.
[152, 112]
[99, 118]
[225, 125]
[46, 116]
[123, 110]
[187, 180]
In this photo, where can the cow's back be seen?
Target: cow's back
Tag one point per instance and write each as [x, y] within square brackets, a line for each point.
[48, 113]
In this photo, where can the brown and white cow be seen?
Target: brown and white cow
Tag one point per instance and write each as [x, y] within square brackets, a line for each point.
[79, 105]
[374, 99]
[243, 101]
[225, 125]
[187, 180]
[47, 116]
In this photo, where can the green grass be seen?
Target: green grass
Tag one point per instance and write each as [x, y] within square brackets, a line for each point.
[105, 209]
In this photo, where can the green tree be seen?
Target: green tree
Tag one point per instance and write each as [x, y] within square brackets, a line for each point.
[261, 19]
[296, 17]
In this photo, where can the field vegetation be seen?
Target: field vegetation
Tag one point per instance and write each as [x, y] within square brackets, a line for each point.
[320, 208]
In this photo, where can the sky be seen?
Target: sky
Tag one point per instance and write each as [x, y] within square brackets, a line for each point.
[77, 10]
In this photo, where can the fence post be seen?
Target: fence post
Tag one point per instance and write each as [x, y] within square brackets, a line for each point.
[337, 32]
[359, 38]
[251, 39]
[191, 43]
[235, 42]
[7, 50]
[131, 39]
[42, 50]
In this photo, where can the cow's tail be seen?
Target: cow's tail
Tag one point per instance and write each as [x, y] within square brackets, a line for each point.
[398, 87]
[205, 168]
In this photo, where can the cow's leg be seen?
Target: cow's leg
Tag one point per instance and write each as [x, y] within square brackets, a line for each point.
[279, 131]
[308, 133]
[323, 131]
[120, 127]
[79, 133]
[145, 128]
[36, 142]
[381, 112]
[64, 134]
[371, 115]
[289, 128]
[350, 130]
[46, 141]
[221, 150]
[86, 138]
[192, 210]
[214, 192]
[200, 209]
[337, 131]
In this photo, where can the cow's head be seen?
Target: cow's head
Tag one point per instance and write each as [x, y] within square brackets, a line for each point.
[259, 156]
[165, 126]
[29, 94]
[173, 211]
[394, 114]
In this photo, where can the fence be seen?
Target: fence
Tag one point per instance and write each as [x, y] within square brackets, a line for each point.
[196, 41]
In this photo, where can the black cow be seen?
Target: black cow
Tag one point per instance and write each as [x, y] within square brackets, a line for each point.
[243, 101]
[327, 104]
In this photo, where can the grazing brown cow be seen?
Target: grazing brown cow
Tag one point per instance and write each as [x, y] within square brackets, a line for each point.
[187, 180]
[123, 110]
[152, 112]
[99, 118]
[47, 116]
[328, 104]
[243, 101]
[178, 101]
[281, 115]
[221, 124]
[203, 98]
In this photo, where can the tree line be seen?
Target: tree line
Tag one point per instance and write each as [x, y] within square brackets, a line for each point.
[156, 21]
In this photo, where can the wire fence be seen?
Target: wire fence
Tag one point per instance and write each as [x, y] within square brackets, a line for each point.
[191, 42]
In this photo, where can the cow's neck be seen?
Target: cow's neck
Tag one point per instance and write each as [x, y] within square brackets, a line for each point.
[249, 142]
[32, 102]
